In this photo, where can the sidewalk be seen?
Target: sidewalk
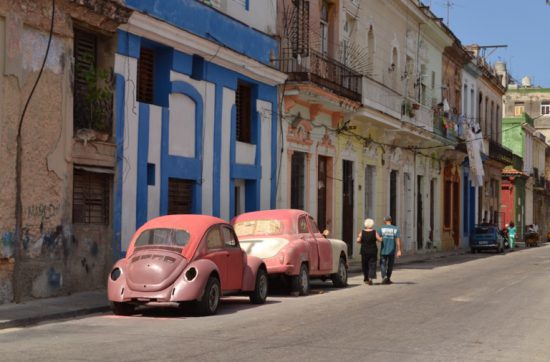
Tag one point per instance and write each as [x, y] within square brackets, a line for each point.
[35, 311]
[78, 304]
[355, 264]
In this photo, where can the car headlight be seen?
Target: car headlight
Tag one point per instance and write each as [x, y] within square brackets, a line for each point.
[115, 274]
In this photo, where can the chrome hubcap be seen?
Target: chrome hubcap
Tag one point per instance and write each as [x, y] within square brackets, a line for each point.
[343, 272]
[303, 279]
[263, 286]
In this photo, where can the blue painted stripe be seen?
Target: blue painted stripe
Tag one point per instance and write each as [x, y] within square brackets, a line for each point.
[142, 157]
[119, 121]
[217, 163]
[246, 172]
[202, 20]
[128, 44]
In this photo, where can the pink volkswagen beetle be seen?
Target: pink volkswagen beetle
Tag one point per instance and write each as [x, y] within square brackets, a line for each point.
[181, 258]
[291, 245]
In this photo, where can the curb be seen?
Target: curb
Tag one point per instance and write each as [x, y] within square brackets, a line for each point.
[25, 322]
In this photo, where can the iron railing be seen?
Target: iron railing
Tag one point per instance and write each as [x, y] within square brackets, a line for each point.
[323, 71]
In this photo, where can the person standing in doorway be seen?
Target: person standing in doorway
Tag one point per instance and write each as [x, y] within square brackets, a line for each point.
[391, 248]
[512, 234]
[369, 250]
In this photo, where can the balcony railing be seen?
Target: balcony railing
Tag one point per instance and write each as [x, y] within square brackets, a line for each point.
[376, 95]
[500, 153]
[322, 71]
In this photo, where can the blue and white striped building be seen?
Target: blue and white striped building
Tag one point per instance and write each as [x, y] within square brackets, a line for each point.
[177, 125]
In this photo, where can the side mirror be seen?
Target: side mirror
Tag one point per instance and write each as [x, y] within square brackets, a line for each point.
[326, 233]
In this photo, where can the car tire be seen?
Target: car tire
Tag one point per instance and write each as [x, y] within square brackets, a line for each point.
[125, 309]
[210, 300]
[340, 278]
[259, 295]
[300, 282]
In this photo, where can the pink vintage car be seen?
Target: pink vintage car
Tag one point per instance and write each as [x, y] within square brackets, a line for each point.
[291, 245]
[180, 258]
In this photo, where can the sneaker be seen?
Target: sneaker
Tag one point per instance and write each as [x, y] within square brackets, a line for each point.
[385, 281]
[389, 281]
[370, 282]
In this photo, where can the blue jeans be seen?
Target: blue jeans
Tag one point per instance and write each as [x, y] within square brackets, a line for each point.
[386, 265]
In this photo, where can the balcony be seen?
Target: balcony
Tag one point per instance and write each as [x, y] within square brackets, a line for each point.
[500, 153]
[323, 71]
[377, 96]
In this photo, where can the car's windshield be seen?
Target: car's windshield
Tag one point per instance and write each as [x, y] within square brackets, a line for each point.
[259, 227]
[163, 236]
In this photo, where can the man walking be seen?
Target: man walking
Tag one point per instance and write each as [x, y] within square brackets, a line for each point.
[391, 247]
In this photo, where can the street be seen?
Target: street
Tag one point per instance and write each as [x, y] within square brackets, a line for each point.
[481, 307]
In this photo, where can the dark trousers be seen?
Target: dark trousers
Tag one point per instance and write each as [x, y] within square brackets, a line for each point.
[369, 266]
[386, 265]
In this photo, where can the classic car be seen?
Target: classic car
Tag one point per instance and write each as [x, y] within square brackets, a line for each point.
[291, 245]
[177, 259]
[486, 237]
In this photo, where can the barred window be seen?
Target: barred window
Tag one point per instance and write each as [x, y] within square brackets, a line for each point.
[145, 78]
[180, 196]
[91, 197]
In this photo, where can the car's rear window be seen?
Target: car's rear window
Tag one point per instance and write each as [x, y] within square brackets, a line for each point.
[163, 236]
[484, 230]
[259, 227]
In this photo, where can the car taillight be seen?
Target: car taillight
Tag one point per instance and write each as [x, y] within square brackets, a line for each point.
[115, 274]
[191, 274]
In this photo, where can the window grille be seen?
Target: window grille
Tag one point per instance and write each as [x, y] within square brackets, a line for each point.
[180, 196]
[91, 197]
[145, 78]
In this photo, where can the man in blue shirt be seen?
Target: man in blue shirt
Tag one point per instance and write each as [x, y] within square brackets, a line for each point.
[391, 247]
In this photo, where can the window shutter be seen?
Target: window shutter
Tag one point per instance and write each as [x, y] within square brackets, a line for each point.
[145, 79]
[243, 114]
[85, 60]
[91, 197]
[180, 196]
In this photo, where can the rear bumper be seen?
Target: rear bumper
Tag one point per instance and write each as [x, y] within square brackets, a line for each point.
[280, 269]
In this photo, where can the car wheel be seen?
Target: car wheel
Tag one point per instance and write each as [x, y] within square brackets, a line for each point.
[259, 295]
[300, 282]
[210, 300]
[122, 308]
[340, 278]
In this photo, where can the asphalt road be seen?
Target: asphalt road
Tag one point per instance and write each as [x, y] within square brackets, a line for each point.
[482, 307]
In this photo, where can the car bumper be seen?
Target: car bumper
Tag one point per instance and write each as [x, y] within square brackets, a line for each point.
[280, 269]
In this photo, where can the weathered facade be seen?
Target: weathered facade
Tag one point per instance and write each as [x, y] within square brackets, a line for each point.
[66, 175]
[196, 113]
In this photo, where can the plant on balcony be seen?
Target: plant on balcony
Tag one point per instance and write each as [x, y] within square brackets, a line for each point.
[94, 104]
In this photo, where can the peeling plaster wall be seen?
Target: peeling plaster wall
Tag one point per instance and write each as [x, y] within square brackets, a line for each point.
[58, 257]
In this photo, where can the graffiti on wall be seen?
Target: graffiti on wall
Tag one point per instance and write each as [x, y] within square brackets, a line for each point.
[43, 211]
[7, 245]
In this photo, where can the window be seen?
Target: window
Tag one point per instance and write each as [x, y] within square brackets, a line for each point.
[91, 197]
[163, 236]
[145, 78]
[322, 195]
[243, 105]
[519, 109]
[302, 225]
[180, 196]
[370, 175]
[214, 239]
[313, 225]
[297, 180]
[545, 108]
[393, 195]
[324, 27]
[93, 94]
[229, 238]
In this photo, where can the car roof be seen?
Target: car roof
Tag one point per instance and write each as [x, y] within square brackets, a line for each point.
[270, 214]
[195, 224]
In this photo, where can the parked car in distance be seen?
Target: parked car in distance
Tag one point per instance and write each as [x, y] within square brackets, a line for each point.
[291, 245]
[176, 259]
[487, 237]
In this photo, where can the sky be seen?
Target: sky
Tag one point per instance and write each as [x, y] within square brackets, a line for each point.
[523, 25]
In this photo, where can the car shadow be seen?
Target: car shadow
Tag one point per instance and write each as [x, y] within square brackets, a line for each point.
[228, 305]
[281, 289]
